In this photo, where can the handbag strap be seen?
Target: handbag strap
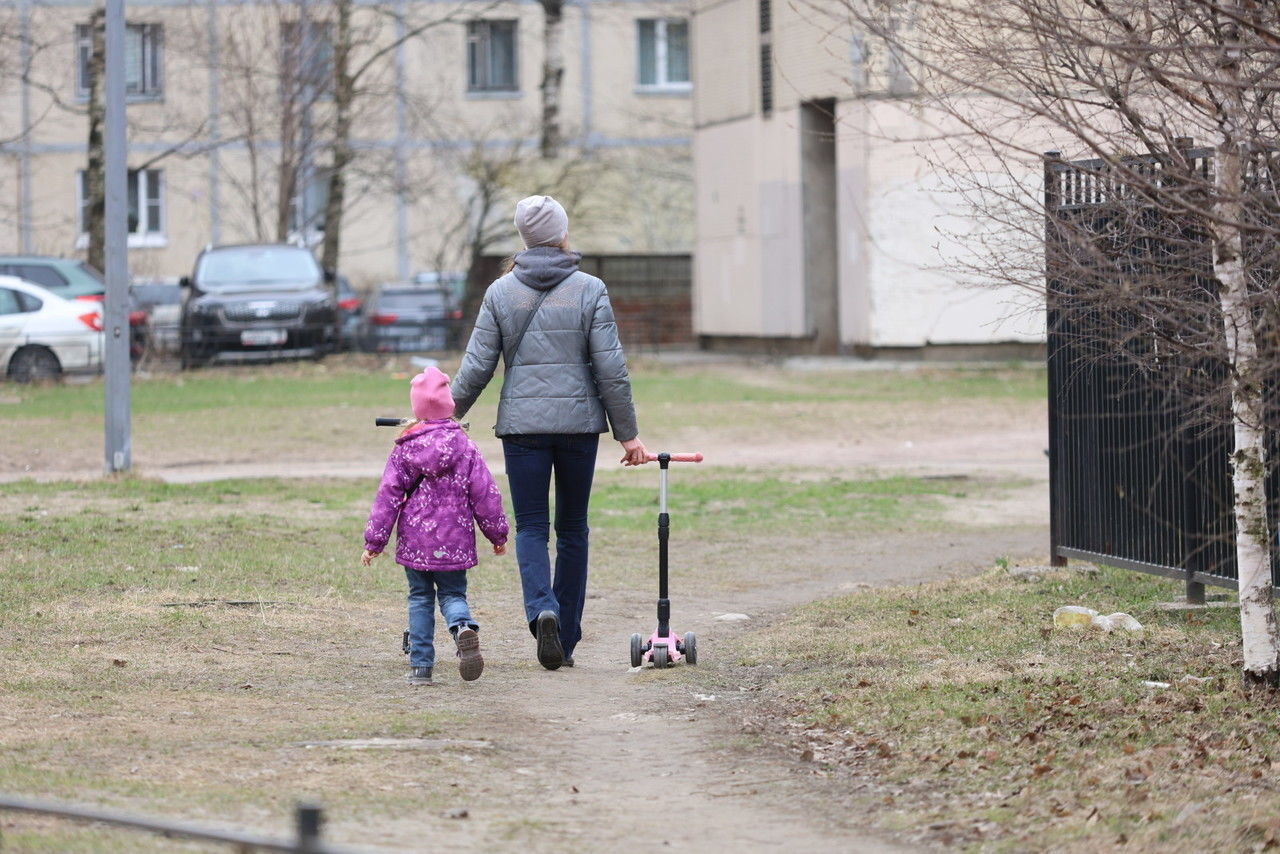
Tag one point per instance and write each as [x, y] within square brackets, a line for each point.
[510, 353]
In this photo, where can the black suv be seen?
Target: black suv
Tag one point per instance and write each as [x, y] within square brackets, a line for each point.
[243, 303]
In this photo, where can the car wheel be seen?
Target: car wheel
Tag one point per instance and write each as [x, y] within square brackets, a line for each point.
[34, 364]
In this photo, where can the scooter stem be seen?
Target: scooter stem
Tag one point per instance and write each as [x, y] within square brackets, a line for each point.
[664, 530]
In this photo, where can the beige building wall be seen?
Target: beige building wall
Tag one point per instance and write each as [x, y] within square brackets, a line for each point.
[900, 228]
[215, 136]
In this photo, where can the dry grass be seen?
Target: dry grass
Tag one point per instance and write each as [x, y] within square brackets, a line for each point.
[972, 722]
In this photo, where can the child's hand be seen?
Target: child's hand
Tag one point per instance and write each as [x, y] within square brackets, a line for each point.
[500, 549]
[367, 557]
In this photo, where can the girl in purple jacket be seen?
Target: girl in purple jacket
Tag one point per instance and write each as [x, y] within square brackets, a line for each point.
[435, 484]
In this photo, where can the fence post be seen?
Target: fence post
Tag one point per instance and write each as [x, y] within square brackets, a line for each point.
[309, 819]
[1051, 202]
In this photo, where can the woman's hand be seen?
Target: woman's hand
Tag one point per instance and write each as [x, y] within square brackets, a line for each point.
[635, 453]
[367, 557]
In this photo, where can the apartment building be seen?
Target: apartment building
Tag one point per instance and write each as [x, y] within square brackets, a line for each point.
[823, 224]
[231, 116]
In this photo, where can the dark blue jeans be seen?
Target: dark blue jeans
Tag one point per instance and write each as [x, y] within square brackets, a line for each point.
[531, 462]
[424, 589]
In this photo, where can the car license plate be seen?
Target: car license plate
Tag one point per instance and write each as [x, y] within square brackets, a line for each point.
[263, 337]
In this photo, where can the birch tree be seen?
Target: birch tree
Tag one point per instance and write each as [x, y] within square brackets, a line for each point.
[998, 82]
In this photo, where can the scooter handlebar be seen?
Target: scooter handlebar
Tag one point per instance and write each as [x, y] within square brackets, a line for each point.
[390, 422]
[676, 458]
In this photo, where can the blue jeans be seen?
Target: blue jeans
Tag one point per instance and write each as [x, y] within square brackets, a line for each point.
[531, 461]
[424, 587]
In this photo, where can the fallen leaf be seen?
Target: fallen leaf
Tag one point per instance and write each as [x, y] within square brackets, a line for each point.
[119, 662]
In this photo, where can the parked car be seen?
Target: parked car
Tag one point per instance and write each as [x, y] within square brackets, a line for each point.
[68, 278]
[254, 302]
[160, 301]
[71, 278]
[43, 335]
[350, 313]
[452, 281]
[410, 318]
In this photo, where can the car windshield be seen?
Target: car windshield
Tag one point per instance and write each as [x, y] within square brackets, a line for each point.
[257, 267]
[418, 298]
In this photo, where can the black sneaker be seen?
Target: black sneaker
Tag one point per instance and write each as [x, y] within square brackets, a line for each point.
[420, 676]
[568, 661]
[470, 662]
[550, 653]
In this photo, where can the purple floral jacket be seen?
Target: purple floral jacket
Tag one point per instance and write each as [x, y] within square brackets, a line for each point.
[440, 472]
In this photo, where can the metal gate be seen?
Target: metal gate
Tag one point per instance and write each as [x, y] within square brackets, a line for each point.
[1139, 431]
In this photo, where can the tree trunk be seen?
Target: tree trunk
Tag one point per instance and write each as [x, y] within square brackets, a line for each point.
[343, 98]
[552, 75]
[94, 173]
[1259, 631]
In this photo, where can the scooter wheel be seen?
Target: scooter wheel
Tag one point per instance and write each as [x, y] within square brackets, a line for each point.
[660, 656]
[690, 648]
[404, 643]
[637, 650]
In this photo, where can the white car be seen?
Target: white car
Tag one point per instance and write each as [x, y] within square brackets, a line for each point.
[43, 335]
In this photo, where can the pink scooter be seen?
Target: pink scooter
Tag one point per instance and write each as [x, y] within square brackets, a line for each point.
[663, 648]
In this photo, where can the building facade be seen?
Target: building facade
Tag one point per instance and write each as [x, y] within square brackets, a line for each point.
[231, 117]
[823, 225]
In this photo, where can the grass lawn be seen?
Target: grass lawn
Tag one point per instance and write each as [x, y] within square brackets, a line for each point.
[984, 726]
[131, 681]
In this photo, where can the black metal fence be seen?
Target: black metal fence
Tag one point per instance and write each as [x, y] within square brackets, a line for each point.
[1139, 400]
[308, 824]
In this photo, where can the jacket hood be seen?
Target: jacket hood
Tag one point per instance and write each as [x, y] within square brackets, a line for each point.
[544, 267]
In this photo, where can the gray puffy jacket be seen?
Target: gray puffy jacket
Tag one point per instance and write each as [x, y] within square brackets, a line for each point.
[570, 372]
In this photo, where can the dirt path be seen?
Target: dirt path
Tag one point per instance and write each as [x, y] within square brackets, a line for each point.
[601, 758]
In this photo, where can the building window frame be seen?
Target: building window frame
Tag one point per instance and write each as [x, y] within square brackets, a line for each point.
[147, 215]
[482, 76]
[662, 82]
[148, 84]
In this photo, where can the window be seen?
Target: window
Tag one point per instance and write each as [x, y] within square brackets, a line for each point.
[663, 51]
[307, 209]
[45, 277]
[491, 56]
[9, 302]
[146, 206]
[143, 45]
[27, 303]
[306, 60]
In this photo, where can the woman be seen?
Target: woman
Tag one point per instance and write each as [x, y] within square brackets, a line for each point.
[565, 375]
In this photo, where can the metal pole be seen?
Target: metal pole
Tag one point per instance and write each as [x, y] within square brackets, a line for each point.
[309, 820]
[116, 311]
[402, 165]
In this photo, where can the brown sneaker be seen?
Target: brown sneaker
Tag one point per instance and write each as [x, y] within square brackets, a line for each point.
[470, 662]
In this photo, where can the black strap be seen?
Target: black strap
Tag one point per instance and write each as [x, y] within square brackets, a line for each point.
[510, 354]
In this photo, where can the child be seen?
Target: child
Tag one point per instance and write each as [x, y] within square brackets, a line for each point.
[435, 483]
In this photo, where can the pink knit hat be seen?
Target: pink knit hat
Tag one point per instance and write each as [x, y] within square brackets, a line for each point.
[429, 395]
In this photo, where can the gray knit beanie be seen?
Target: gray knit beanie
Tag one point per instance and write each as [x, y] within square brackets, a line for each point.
[541, 221]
